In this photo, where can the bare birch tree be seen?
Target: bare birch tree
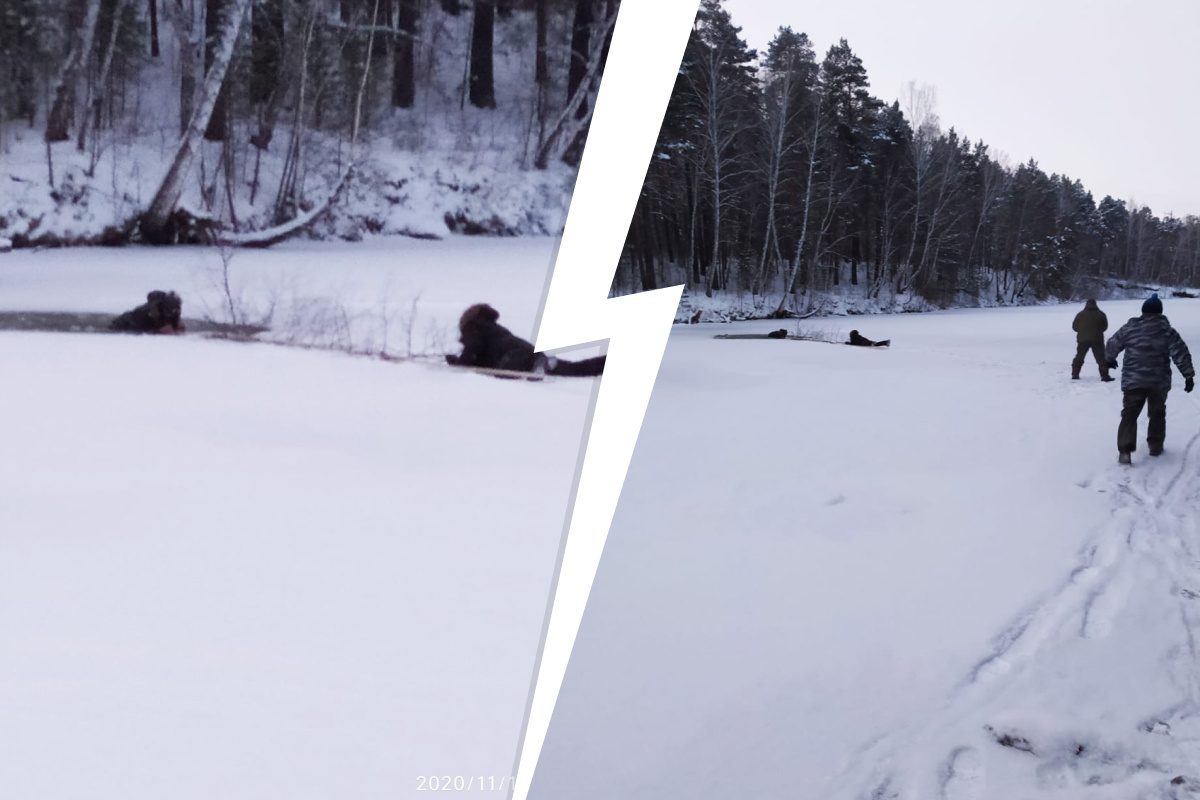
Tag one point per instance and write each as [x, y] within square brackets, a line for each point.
[154, 222]
[62, 105]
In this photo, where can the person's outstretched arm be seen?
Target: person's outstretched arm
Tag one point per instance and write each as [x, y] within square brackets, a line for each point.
[1116, 343]
[1182, 358]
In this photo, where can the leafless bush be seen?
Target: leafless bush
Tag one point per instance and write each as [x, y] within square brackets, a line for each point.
[316, 322]
[283, 313]
[814, 334]
[237, 316]
[436, 337]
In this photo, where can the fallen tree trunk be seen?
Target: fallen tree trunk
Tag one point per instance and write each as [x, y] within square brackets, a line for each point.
[274, 235]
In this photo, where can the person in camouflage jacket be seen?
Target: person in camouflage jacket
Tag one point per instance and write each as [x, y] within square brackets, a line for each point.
[1089, 326]
[1150, 345]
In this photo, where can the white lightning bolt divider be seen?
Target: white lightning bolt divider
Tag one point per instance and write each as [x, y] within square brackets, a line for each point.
[643, 61]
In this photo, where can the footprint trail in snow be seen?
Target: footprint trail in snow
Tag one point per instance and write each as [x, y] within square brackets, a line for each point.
[1049, 704]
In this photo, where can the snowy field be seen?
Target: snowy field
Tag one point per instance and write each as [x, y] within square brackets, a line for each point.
[843, 573]
[244, 571]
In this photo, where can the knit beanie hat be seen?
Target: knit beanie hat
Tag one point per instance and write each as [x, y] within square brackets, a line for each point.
[1153, 305]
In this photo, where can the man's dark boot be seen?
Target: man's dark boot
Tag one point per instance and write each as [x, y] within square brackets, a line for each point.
[1104, 376]
[1125, 458]
[1075, 372]
[1156, 449]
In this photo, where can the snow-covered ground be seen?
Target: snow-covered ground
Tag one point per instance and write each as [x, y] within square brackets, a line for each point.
[849, 573]
[246, 571]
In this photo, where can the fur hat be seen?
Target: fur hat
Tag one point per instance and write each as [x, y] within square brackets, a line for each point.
[1090, 304]
[480, 313]
[1153, 305]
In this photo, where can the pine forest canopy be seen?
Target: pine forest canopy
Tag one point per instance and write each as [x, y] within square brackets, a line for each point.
[779, 175]
[303, 84]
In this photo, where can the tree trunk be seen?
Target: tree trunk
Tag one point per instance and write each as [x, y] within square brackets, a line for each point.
[213, 27]
[154, 50]
[404, 92]
[268, 64]
[789, 285]
[102, 80]
[356, 124]
[778, 125]
[648, 248]
[570, 127]
[266, 49]
[541, 72]
[603, 27]
[187, 96]
[693, 255]
[62, 109]
[482, 82]
[710, 280]
[581, 39]
[611, 8]
[186, 26]
[157, 217]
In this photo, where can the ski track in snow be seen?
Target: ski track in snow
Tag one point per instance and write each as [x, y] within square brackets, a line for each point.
[963, 777]
[1152, 527]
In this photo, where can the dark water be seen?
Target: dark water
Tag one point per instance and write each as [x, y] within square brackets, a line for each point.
[73, 322]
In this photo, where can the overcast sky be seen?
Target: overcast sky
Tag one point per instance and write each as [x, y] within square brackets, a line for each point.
[1104, 91]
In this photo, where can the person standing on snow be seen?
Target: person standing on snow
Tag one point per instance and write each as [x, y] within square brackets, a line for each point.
[1150, 345]
[1089, 326]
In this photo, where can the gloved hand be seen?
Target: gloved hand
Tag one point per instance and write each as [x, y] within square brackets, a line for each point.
[1189, 384]
[1113, 364]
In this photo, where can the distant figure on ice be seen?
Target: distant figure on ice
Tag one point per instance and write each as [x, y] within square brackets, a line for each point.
[489, 345]
[1150, 345]
[1089, 326]
[862, 341]
[159, 314]
[779, 334]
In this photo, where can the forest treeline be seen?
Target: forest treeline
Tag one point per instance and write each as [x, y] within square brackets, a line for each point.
[252, 77]
[781, 177]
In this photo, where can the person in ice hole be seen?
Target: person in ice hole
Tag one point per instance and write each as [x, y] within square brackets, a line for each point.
[159, 314]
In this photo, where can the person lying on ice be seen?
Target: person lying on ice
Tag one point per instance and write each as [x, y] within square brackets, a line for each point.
[1150, 345]
[862, 341]
[489, 345]
[1089, 326]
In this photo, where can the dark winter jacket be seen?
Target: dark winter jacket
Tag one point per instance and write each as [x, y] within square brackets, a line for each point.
[1150, 345]
[488, 344]
[1090, 324]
